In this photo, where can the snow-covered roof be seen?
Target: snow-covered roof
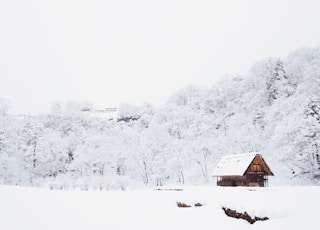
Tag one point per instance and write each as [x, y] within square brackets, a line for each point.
[234, 165]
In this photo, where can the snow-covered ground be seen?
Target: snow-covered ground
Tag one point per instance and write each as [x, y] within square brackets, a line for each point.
[40, 209]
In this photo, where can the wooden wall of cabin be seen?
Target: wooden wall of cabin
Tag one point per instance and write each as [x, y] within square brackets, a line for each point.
[231, 181]
[256, 174]
[256, 166]
[250, 180]
[255, 179]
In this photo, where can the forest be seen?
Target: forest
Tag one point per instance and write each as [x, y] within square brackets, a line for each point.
[274, 110]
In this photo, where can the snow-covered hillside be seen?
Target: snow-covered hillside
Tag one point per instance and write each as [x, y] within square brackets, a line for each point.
[37, 209]
[274, 110]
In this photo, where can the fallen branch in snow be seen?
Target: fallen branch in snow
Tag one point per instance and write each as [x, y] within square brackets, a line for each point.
[233, 213]
[198, 205]
[169, 189]
[183, 205]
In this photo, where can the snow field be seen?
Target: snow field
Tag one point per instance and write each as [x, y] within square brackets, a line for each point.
[40, 209]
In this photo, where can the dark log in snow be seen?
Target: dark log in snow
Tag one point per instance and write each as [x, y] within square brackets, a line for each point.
[238, 215]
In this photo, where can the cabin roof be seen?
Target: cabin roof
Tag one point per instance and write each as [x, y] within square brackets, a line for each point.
[234, 165]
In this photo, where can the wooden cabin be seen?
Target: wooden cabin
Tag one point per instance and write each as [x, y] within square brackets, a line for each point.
[247, 169]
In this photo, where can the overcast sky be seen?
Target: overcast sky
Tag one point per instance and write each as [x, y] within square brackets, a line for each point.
[136, 51]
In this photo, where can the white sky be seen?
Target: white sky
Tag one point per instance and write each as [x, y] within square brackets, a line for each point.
[109, 52]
